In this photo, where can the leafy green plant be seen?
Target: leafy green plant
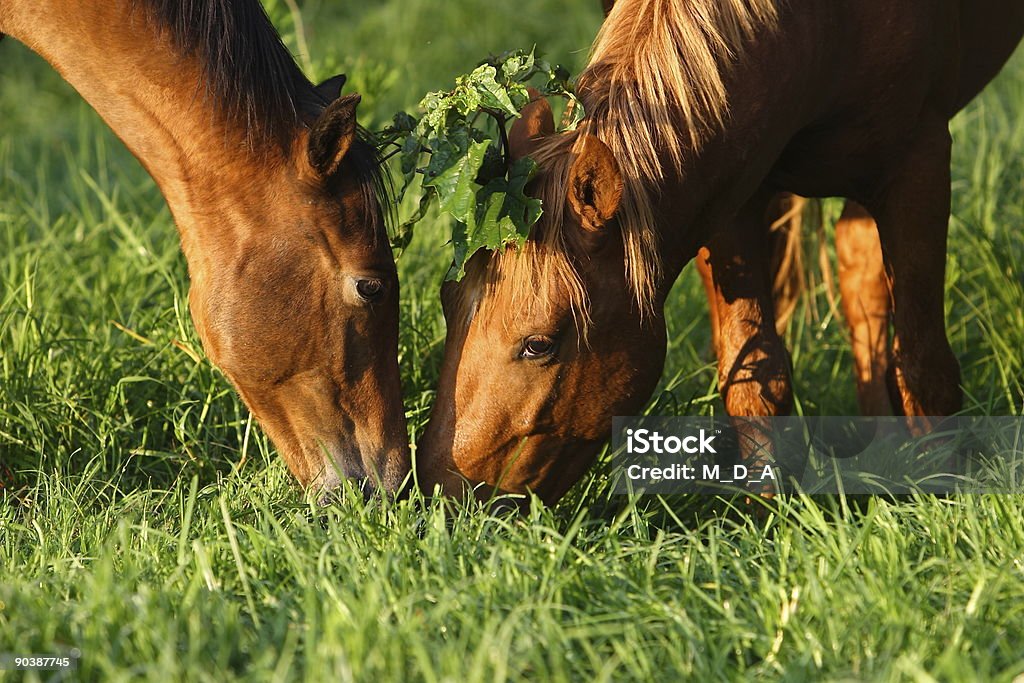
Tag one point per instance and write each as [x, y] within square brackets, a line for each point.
[459, 147]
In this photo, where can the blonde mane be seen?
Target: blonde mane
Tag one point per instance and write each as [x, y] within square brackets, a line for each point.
[654, 90]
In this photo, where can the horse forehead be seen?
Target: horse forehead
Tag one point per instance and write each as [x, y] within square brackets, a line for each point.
[345, 222]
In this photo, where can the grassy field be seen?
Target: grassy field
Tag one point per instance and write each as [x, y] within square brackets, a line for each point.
[147, 522]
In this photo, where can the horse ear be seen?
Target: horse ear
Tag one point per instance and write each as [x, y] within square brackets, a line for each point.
[332, 135]
[535, 121]
[330, 89]
[595, 184]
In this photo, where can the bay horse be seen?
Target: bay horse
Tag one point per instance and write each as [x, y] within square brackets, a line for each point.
[698, 113]
[277, 194]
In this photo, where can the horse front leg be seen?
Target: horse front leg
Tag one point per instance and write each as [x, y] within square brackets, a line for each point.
[753, 364]
[865, 300]
[912, 210]
[782, 222]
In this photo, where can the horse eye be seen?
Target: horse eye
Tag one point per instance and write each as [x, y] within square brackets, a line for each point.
[537, 347]
[369, 289]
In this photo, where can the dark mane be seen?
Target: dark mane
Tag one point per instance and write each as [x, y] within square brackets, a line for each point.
[249, 71]
[255, 79]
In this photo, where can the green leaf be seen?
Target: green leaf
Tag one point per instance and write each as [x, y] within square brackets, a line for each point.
[458, 146]
[524, 211]
[456, 186]
[517, 65]
[491, 94]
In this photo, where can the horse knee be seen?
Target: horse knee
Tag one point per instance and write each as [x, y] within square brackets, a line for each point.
[759, 381]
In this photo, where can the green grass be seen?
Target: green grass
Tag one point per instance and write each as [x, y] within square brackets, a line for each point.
[147, 522]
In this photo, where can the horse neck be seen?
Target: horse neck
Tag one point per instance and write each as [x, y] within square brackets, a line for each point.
[699, 189]
[151, 97]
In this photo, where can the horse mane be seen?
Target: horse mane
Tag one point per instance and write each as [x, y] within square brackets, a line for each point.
[654, 90]
[657, 58]
[248, 70]
[253, 77]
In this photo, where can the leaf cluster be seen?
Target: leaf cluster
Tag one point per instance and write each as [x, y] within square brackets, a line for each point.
[459, 150]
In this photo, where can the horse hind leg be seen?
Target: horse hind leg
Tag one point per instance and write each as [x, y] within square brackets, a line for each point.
[862, 282]
[912, 211]
[865, 302]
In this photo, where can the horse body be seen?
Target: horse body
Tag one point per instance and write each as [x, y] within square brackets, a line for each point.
[293, 289]
[707, 110]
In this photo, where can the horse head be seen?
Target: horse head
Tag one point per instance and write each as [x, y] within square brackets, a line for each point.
[545, 344]
[301, 313]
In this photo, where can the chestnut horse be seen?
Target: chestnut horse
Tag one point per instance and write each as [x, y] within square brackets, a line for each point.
[277, 195]
[699, 112]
